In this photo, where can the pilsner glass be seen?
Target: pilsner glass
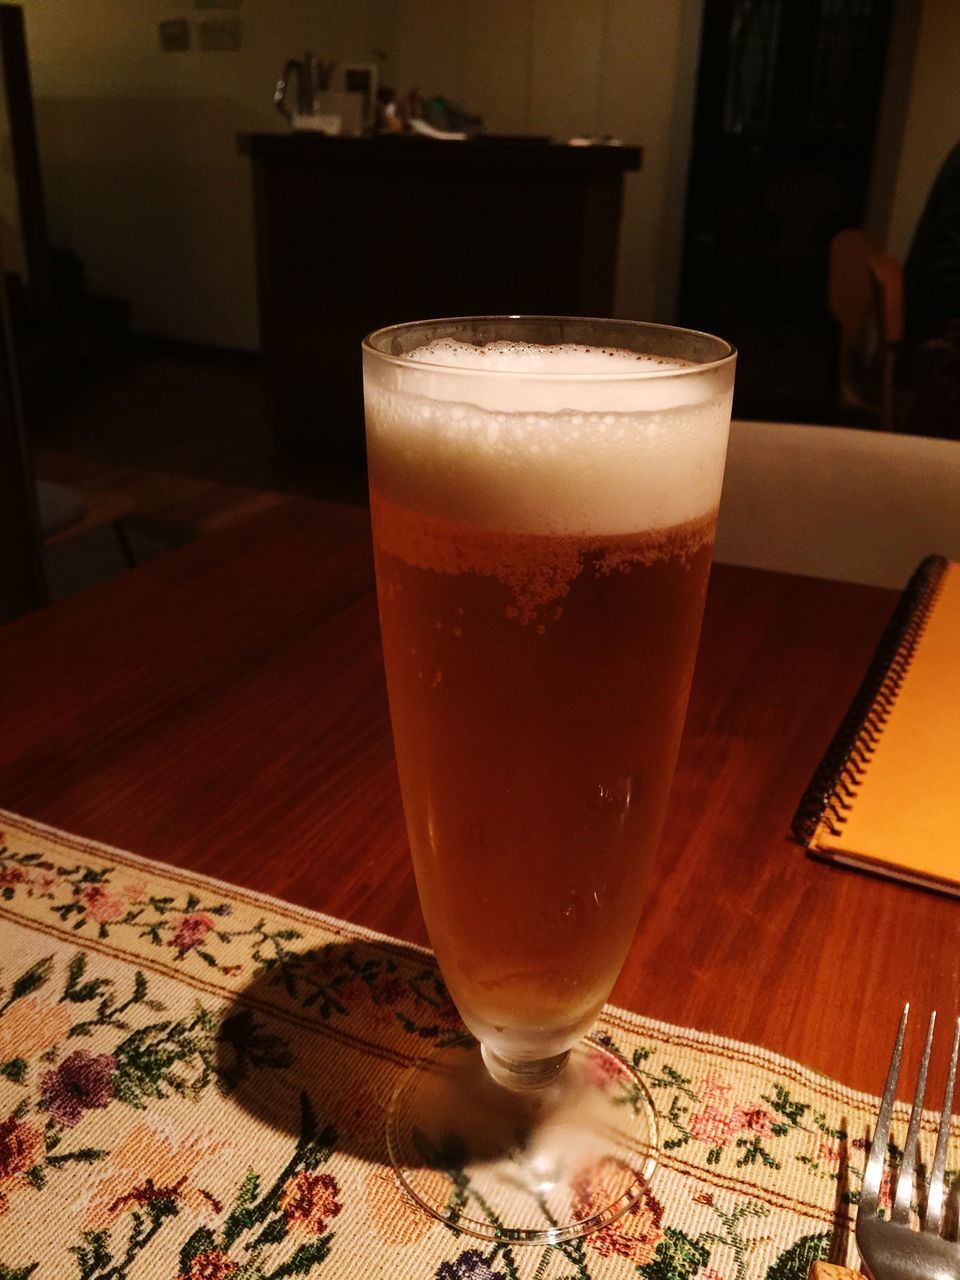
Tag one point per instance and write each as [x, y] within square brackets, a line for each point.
[544, 494]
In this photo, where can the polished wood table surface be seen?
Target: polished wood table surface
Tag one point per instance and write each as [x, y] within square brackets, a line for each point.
[223, 708]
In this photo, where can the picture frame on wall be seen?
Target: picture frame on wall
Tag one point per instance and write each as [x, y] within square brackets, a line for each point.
[174, 35]
[221, 34]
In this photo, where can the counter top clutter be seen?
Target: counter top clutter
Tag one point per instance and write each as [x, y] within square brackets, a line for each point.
[483, 152]
[356, 233]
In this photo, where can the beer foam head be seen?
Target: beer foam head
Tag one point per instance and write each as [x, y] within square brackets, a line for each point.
[551, 438]
[564, 359]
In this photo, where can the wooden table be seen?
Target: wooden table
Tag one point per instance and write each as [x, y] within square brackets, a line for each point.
[223, 708]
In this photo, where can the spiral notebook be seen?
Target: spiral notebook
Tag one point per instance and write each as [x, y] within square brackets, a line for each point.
[886, 796]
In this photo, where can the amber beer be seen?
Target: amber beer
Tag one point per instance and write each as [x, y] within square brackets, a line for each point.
[543, 518]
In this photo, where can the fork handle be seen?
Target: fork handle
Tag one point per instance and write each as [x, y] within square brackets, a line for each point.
[830, 1271]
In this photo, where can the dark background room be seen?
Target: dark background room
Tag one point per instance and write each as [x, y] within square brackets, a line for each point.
[188, 276]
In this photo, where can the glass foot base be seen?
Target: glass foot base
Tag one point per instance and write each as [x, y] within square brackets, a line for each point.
[536, 1167]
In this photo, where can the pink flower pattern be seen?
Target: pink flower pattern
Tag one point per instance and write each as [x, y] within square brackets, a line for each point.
[601, 1069]
[211, 1264]
[191, 931]
[756, 1119]
[717, 1128]
[387, 989]
[633, 1236]
[102, 905]
[352, 990]
[711, 1126]
[309, 1200]
[43, 880]
[713, 1089]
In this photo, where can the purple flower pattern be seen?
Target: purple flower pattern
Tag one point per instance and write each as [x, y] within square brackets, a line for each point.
[470, 1265]
[83, 1082]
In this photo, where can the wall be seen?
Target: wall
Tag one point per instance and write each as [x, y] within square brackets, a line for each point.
[568, 67]
[138, 146]
[894, 103]
[932, 122]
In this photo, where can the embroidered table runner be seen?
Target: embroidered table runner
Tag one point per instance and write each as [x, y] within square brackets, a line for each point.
[193, 1080]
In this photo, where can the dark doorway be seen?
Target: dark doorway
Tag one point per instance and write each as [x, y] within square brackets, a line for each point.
[786, 113]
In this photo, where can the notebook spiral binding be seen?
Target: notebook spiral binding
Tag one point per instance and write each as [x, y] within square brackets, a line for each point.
[833, 788]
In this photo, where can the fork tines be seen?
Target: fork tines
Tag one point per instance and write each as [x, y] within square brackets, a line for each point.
[891, 1248]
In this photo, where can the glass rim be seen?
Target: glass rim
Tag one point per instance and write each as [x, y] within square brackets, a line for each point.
[728, 356]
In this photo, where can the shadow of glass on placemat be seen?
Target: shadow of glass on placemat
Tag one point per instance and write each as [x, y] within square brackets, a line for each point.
[340, 1025]
[319, 1044]
[843, 1212]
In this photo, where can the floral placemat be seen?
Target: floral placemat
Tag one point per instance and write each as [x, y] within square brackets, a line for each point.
[193, 1080]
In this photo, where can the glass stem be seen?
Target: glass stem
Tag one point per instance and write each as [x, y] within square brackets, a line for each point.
[523, 1077]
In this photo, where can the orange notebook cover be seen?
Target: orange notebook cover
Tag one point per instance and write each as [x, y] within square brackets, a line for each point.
[886, 796]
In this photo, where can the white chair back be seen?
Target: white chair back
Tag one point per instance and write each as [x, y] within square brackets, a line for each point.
[834, 502]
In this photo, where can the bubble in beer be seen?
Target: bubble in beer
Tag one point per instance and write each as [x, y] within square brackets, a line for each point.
[552, 444]
[571, 513]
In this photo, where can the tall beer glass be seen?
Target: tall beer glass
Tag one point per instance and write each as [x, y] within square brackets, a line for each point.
[544, 495]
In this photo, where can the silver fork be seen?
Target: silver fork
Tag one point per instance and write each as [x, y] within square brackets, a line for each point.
[891, 1249]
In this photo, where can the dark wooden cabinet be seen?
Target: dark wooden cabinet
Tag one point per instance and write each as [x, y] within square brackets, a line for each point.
[355, 233]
